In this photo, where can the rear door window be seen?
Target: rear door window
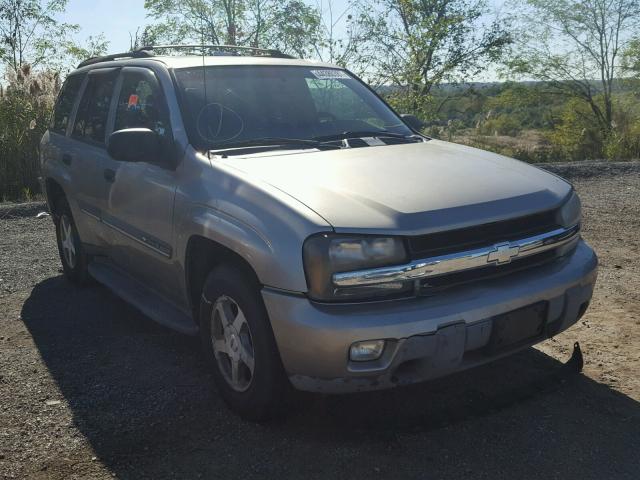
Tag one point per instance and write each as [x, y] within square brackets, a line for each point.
[65, 102]
[93, 111]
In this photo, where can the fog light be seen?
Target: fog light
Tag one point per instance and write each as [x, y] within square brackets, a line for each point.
[366, 351]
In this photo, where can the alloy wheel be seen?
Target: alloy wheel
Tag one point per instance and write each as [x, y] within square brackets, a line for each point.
[232, 343]
[67, 241]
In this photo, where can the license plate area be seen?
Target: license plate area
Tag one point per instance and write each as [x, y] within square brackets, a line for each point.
[517, 327]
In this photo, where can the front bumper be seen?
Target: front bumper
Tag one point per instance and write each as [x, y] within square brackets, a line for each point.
[426, 337]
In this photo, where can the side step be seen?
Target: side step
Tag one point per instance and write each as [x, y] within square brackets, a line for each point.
[143, 298]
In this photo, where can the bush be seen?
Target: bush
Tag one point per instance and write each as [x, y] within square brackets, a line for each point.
[526, 153]
[623, 142]
[623, 145]
[577, 135]
[25, 108]
[503, 124]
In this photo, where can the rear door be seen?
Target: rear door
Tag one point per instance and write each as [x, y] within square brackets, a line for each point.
[140, 196]
[85, 152]
[56, 143]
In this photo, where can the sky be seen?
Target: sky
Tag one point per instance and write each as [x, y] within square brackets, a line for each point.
[116, 19]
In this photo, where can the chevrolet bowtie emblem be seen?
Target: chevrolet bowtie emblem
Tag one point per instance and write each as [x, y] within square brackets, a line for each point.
[503, 253]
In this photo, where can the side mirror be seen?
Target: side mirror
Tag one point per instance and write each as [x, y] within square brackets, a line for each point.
[413, 121]
[136, 145]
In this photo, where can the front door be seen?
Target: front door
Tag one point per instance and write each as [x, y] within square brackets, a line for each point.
[138, 207]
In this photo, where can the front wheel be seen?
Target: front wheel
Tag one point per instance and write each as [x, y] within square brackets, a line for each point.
[239, 346]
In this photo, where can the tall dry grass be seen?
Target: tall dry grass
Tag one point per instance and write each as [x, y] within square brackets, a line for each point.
[26, 103]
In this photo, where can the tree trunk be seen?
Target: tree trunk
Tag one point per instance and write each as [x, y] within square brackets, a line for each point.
[231, 34]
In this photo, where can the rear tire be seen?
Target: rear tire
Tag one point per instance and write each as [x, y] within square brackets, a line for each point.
[239, 345]
[72, 254]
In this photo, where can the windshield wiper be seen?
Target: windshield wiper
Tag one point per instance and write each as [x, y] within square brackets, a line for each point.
[273, 142]
[365, 133]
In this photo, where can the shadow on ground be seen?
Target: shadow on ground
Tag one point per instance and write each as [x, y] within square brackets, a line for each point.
[145, 402]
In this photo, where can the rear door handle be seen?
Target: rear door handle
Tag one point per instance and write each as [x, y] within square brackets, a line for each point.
[109, 175]
[66, 159]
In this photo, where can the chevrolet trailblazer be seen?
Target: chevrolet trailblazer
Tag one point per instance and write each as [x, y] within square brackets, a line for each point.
[311, 236]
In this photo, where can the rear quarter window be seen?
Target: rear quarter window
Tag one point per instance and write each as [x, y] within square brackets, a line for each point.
[64, 104]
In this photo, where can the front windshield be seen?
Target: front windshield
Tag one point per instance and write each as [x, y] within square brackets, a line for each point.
[233, 104]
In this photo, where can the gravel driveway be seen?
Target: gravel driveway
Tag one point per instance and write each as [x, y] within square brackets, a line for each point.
[92, 389]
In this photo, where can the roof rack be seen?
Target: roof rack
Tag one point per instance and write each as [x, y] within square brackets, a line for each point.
[195, 49]
[138, 53]
[199, 49]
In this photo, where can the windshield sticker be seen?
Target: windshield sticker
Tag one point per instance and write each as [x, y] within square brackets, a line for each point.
[331, 74]
[133, 101]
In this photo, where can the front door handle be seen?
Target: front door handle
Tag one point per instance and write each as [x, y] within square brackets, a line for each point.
[110, 175]
[66, 159]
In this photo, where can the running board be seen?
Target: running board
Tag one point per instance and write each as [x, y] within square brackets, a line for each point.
[143, 298]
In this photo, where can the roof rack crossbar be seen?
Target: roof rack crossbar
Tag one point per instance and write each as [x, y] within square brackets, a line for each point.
[149, 51]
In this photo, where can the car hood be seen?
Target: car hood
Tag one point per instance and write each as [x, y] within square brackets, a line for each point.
[407, 189]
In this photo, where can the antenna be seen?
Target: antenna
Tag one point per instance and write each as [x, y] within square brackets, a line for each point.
[204, 71]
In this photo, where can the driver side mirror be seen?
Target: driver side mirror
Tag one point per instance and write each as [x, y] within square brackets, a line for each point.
[413, 121]
[138, 145]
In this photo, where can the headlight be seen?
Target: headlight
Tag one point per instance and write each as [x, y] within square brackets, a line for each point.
[326, 254]
[570, 213]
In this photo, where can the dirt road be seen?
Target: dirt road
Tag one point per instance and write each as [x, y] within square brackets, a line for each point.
[92, 389]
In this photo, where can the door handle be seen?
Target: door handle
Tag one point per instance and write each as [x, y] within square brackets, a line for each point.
[66, 159]
[109, 175]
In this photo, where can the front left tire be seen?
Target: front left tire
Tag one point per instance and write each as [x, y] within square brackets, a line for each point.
[239, 346]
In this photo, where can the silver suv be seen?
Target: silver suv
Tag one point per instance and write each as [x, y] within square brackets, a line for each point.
[310, 235]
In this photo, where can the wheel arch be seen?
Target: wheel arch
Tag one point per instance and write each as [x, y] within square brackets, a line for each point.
[202, 256]
[53, 191]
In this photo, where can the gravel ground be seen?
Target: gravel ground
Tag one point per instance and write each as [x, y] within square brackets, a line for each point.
[92, 389]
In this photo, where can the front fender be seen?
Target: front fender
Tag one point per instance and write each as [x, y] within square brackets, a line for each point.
[263, 225]
[276, 262]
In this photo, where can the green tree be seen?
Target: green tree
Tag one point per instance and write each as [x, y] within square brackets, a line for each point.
[415, 45]
[575, 47]
[91, 47]
[30, 34]
[35, 48]
[576, 135]
[631, 58]
[340, 36]
[289, 25]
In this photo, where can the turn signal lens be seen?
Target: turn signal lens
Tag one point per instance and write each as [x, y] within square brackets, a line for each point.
[571, 212]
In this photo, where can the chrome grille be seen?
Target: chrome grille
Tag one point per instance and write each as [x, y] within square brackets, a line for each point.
[451, 241]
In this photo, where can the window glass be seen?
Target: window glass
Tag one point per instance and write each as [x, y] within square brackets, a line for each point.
[141, 104]
[242, 103]
[91, 120]
[334, 100]
[64, 105]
